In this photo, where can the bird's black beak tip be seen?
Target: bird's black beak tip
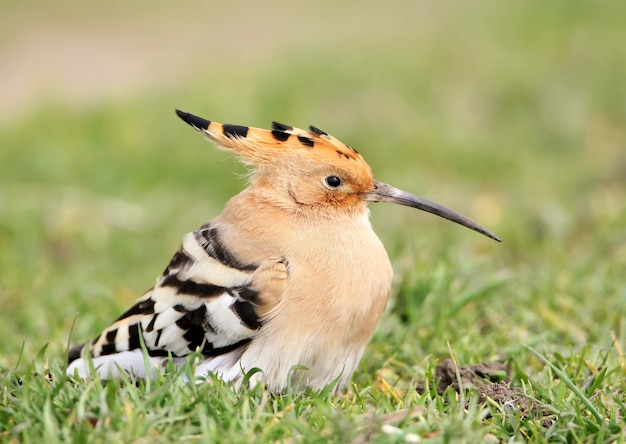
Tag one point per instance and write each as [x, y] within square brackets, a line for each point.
[494, 237]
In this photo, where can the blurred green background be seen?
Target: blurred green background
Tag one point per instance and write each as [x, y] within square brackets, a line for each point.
[511, 112]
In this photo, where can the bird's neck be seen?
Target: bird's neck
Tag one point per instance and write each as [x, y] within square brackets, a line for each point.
[262, 207]
[260, 227]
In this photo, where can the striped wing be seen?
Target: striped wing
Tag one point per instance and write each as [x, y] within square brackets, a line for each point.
[205, 300]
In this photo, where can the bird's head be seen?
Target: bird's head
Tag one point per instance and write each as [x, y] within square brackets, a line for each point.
[313, 171]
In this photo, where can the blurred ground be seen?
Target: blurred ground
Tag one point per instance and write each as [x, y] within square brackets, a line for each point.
[77, 53]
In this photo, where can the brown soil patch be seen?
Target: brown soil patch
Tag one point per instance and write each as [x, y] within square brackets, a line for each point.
[448, 374]
[489, 379]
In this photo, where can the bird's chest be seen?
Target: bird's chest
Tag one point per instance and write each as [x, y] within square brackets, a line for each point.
[338, 285]
[339, 275]
[340, 282]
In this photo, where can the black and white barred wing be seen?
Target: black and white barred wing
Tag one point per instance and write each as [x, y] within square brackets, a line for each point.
[206, 300]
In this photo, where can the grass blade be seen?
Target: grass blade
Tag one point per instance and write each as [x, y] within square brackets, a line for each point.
[570, 384]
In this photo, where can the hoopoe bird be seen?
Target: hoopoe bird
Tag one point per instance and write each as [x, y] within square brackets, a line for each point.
[290, 278]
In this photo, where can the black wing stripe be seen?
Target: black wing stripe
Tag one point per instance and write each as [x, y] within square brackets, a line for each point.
[247, 314]
[209, 239]
[179, 260]
[75, 353]
[247, 294]
[111, 335]
[160, 352]
[150, 326]
[158, 337]
[108, 349]
[133, 336]
[143, 307]
[209, 350]
[187, 321]
[192, 288]
[195, 325]
[195, 337]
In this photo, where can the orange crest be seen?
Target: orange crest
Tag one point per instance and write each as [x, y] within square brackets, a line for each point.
[286, 147]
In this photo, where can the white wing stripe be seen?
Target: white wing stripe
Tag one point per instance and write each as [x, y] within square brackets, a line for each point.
[208, 270]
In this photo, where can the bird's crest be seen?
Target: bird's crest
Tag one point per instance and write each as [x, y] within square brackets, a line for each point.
[282, 146]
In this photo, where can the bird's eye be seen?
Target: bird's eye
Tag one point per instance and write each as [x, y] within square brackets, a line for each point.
[333, 181]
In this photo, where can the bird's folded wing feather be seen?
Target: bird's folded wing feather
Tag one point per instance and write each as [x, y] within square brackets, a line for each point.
[206, 300]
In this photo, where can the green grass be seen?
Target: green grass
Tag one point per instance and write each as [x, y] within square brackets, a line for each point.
[513, 114]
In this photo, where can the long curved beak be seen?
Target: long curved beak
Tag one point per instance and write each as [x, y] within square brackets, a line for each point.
[386, 193]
